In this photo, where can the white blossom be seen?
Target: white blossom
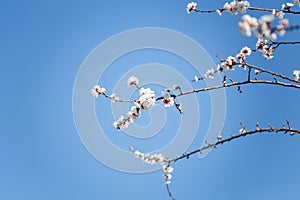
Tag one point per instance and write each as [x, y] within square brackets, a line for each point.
[114, 97]
[297, 2]
[242, 6]
[266, 50]
[168, 169]
[167, 176]
[196, 78]
[146, 102]
[279, 14]
[264, 27]
[146, 99]
[138, 154]
[132, 81]
[219, 12]
[246, 51]
[219, 137]
[227, 64]
[267, 18]
[296, 74]
[134, 112]
[257, 72]
[247, 24]
[236, 6]
[286, 6]
[241, 57]
[266, 31]
[191, 6]
[243, 131]
[245, 28]
[167, 99]
[209, 73]
[147, 92]
[283, 24]
[230, 61]
[167, 182]
[96, 90]
[231, 7]
[260, 44]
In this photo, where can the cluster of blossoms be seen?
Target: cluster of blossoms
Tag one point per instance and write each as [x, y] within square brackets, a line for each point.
[97, 90]
[262, 28]
[236, 6]
[278, 13]
[155, 159]
[146, 100]
[266, 50]
[245, 51]
[231, 61]
[228, 64]
[167, 174]
[122, 123]
[296, 74]
[208, 74]
[150, 158]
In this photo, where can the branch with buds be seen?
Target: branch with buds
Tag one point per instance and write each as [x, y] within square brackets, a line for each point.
[169, 98]
[243, 132]
[238, 6]
[286, 128]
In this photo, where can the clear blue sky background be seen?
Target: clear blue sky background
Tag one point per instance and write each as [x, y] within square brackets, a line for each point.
[43, 44]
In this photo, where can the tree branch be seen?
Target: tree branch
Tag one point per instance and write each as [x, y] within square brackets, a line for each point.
[271, 10]
[243, 133]
[270, 129]
[238, 83]
[250, 8]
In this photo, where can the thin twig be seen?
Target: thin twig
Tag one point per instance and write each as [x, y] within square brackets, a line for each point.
[233, 137]
[285, 42]
[270, 72]
[169, 192]
[271, 10]
[238, 83]
[250, 8]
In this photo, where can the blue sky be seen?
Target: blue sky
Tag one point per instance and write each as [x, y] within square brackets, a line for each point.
[43, 44]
